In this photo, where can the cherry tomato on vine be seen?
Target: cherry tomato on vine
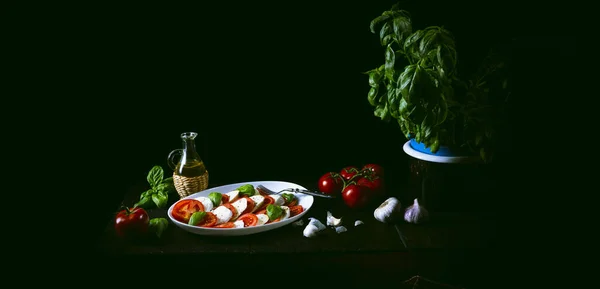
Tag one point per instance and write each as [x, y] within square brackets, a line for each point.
[331, 183]
[348, 172]
[375, 183]
[375, 169]
[356, 196]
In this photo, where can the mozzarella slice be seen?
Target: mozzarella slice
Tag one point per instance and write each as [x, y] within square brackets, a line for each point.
[233, 195]
[238, 224]
[240, 205]
[223, 214]
[262, 219]
[206, 202]
[279, 200]
[258, 200]
[286, 213]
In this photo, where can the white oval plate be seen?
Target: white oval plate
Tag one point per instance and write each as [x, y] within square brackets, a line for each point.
[306, 201]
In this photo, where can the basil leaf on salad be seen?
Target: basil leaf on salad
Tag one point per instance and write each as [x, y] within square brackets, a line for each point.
[274, 212]
[247, 190]
[196, 218]
[155, 176]
[288, 197]
[215, 197]
[158, 226]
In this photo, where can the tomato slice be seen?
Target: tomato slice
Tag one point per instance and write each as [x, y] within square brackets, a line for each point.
[249, 219]
[224, 198]
[294, 202]
[296, 210]
[225, 225]
[208, 221]
[268, 200]
[183, 209]
[231, 208]
[250, 206]
[263, 211]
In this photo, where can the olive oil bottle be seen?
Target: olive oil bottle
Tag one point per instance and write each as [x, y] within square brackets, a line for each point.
[189, 172]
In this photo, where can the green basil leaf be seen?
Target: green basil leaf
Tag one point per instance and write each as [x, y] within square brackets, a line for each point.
[385, 30]
[247, 190]
[402, 27]
[274, 211]
[158, 226]
[196, 218]
[155, 176]
[145, 203]
[390, 60]
[376, 21]
[215, 198]
[288, 197]
[374, 77]
[381, 111]
[372, 95]
[147, 193]
[160, 199]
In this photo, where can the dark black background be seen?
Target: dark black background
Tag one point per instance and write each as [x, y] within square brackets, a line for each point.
[275, 90]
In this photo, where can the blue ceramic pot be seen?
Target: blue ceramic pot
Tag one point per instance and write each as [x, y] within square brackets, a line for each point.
[443, 151]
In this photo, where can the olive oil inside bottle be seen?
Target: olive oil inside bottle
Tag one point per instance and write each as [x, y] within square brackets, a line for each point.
[191, 168]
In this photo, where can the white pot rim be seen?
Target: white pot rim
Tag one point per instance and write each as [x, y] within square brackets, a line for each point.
[439, 159]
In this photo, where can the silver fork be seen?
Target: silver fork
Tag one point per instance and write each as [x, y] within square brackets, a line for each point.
[294, 190]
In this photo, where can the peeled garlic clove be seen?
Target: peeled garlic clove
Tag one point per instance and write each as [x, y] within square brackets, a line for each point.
[388, 211]
[340, 229]
[358, 222]
[310, 231]
[416, 213]
[333, 221]
[316, 223]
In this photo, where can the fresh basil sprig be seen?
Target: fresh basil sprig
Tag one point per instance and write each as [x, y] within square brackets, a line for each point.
[158, 226]
[158, 194]
[274, 212]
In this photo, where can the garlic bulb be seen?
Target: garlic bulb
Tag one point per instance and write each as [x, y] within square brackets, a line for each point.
[313, 228]
[388, 211]
[416, 213]
[333, 221]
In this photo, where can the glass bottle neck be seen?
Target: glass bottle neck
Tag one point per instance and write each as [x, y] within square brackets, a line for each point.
[189, 150]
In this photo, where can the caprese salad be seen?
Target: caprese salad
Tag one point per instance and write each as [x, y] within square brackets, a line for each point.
[240, 208]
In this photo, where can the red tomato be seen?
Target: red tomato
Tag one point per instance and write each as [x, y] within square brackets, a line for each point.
[224, 198]
[184, 209]
[356, 196]
[131, 222]
[268, 200]
[296, 210]
[208, 221]
[263, 211]
[249, 219]
[331, 183]
[374, 183]
[348, 172]
[375, 169]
